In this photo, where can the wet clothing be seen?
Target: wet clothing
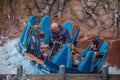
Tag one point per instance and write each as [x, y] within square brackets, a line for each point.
[61, 36]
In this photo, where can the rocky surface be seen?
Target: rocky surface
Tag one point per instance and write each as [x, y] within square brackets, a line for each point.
[14, 15]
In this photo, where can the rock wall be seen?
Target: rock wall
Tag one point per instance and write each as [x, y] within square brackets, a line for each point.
[95, 17]
[94, 22]
[14, 15]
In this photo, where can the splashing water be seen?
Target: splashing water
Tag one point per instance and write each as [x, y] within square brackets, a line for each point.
[10, 58]
[114, 70]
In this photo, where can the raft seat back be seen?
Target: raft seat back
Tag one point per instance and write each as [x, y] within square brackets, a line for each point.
[75, 36]
[103, 47]
[84, 51]
[103, 50]
[68, 27]
[45, 27]
[63, 57]
[36, 20]
[86, 65]
[36, 46]
[31, 22]
[54, 50]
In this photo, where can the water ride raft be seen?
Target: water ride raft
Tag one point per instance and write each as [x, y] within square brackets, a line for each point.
[59, 54]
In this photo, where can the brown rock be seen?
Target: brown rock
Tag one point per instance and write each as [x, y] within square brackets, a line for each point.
[91, 23]
[107, 33]
[84, 29]
[107, 21]
[90, 2]
[93, 32]
[76, 6]
[100, 10]
[74, 10]
[112, 6]
[54, 9]
[67, 10]
[34, 10]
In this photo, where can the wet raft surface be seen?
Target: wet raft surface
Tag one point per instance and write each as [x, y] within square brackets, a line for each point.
[34, 58]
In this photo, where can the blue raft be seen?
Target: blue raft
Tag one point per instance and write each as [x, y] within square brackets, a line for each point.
[59, 54]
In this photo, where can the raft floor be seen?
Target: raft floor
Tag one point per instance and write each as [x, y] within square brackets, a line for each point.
[34, 58]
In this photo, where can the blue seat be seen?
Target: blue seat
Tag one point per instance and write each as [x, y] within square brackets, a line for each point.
[86, 65]
[68, 27]
[31, 21]
[103, 50]
[63, 57]
[84, 51]
[45, 27]
[36, 46]
[75, 36]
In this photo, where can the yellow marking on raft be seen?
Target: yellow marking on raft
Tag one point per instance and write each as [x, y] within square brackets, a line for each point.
[34, 58]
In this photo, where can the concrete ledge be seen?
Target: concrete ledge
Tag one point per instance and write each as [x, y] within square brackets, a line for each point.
[68, 76]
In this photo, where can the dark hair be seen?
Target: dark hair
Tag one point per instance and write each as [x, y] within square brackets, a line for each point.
[42, 35]
[96, 42]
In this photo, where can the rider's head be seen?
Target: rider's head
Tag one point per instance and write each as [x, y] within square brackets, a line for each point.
[94, 43]
[55, 27]
[42, 36]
